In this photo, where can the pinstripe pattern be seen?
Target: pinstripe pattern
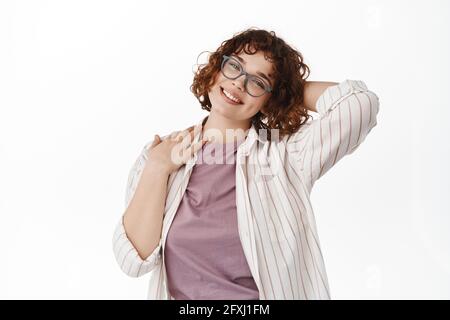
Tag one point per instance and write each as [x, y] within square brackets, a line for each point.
[276, 221]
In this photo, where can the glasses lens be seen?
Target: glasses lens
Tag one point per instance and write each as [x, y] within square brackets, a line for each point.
[231, 68]
[255, 86]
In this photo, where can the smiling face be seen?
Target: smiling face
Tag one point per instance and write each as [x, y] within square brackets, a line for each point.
[246, 106]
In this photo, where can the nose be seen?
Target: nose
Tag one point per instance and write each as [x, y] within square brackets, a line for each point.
[239, 82]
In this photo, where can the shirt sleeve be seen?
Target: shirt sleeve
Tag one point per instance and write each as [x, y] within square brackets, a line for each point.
[125, 253]
[347, 113]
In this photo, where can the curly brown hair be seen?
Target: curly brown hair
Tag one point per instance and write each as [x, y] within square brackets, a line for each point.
[284, 110]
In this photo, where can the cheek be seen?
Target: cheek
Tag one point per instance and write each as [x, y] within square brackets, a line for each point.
[218, 79]
[260, 103]
[215, 88]
[255, 106]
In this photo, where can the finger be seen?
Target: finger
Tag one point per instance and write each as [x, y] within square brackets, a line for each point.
[182, 134]
[190, 138]
[156, 141]
[173, 135]
[190, 128]
[194, 128]
[194, 148]
[186, 137]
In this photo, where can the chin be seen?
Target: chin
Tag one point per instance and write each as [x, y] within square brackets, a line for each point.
[223, 111]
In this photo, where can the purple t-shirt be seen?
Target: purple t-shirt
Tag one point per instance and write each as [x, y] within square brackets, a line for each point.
[203, 253]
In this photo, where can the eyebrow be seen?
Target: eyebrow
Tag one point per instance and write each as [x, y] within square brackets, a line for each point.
[258, 73]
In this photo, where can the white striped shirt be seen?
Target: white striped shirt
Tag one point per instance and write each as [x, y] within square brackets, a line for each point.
[276, 221]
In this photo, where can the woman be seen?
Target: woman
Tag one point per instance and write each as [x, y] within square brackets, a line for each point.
[242, 228]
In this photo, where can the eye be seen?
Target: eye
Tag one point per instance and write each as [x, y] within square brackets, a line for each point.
[234, 65]
[259, 83]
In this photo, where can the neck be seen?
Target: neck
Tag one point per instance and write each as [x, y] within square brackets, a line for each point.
[224, 130]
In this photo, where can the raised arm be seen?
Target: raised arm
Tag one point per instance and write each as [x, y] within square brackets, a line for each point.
[347, 113]
[312, 91]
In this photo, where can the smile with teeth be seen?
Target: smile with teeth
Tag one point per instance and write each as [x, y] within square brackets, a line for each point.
[230, 96]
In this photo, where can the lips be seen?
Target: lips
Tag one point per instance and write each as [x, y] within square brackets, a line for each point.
[228, 99]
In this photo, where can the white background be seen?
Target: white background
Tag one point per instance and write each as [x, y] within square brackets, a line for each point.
[85, 84]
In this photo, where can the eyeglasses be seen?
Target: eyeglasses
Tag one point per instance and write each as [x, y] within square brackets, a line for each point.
[232, 69]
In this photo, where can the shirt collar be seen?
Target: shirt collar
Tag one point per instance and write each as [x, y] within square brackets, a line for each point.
[246, 146]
